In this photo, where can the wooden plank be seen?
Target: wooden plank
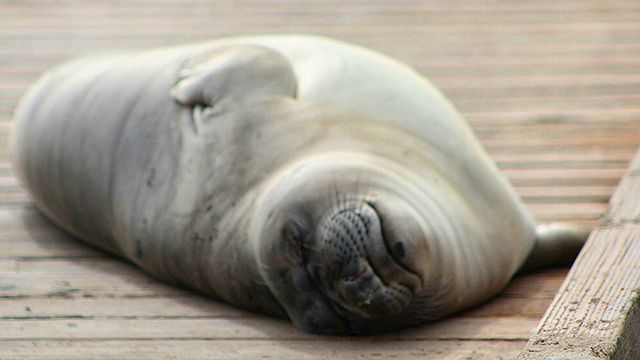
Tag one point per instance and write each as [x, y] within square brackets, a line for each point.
[559, 174]
[318, 348]
[537, 285]
[596, 314]
[452, 12]
[598, 155]
[527, 296]
[189, 305]
[519, 6]
[561, 164]
[566, 191]
[560, 151]
[24, 219]
[195, 306]
[554, 115]
[505, 306]
[628, 139]
[550, 210]
[254, 327]
[501, 31]
[556, 130]
[77, 277]
[110, 277]
[14, 198]
[19, 242]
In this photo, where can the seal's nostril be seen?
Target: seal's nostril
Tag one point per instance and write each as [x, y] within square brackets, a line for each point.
[352, 291]
[350, 286]
[398, 250]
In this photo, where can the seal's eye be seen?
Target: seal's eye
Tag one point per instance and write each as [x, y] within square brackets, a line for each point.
[398, 250]
[394, 236]
[292, 236]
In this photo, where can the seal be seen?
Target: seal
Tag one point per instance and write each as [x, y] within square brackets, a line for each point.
[291, 175]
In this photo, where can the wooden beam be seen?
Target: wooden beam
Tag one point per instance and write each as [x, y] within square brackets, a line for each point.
[596, 313]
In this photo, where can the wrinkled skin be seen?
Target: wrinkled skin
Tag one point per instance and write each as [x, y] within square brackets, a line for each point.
[296, 176]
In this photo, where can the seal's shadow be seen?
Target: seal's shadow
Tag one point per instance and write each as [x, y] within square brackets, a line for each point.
[99, 274]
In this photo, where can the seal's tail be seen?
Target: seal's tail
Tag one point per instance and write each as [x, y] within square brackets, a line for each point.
[556, 245]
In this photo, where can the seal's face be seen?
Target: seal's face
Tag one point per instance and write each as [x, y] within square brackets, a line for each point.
[359, 267]
[351, 263]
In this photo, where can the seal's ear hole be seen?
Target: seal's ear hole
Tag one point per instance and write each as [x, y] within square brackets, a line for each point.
[291, 231]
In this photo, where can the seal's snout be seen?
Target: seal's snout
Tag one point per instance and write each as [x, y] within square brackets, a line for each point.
[358, 273]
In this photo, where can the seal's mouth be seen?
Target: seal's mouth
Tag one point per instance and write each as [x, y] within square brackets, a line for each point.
[358, 270]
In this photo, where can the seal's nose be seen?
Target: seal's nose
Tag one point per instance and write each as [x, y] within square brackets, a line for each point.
[358, 272]
[345, 234]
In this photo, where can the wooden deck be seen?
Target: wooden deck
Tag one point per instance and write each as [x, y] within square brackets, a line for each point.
[552, 88]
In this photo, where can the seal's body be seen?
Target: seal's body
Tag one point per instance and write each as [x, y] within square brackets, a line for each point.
[296, 176]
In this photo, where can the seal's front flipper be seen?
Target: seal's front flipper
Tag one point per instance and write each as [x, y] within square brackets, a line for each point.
[234, 73]
[556, 245]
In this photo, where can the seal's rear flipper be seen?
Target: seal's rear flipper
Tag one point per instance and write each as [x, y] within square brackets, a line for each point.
[556, 245]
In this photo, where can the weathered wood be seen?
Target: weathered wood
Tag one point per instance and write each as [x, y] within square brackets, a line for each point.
[596, 314]
[189, 305]
[599, 155]
[69, 277]
[318, 348]
[108, 277]
[254, 327]
[196, 306]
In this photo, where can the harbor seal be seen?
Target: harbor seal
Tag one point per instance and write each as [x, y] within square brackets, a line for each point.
[291, 175]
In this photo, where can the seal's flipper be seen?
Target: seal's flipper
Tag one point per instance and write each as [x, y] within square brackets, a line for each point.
[556, 245]
[234, 73]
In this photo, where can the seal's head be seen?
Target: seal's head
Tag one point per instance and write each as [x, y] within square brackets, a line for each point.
[344, 250]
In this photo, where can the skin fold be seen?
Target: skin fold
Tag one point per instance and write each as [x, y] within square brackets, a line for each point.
[291, 175]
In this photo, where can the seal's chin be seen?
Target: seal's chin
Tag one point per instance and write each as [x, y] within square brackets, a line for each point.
[357, 270]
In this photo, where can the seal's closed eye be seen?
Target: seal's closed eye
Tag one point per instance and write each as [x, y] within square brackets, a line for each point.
[398, 250]
[292, 237]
